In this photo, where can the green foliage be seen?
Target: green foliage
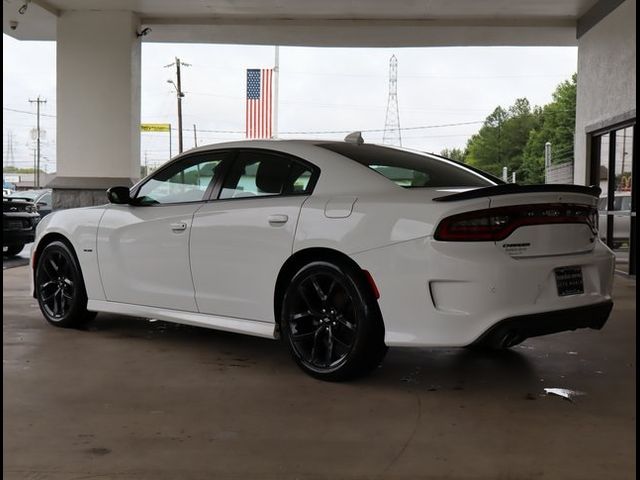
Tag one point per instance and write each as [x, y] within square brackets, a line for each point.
[558, 127]
[515, 137]
[9, 169]
[454, 154]
[502, 139]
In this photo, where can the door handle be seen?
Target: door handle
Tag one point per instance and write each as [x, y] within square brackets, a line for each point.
[179, 227]
[278, 219]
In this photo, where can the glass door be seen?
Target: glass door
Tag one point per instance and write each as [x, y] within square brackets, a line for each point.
[613, 161]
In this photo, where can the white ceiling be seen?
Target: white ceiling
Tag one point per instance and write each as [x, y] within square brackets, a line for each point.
[325, 22]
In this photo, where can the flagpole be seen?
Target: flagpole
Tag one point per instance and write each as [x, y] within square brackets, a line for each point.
[276, 75]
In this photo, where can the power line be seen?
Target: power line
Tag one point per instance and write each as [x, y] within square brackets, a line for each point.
[326, 132]
[27, 112]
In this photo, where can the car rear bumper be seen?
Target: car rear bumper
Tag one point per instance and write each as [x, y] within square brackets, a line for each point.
[448, 294]
[514, 330]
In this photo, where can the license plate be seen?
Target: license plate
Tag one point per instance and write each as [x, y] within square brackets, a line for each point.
[569, 281]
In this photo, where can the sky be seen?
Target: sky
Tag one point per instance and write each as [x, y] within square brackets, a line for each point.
[321, 90]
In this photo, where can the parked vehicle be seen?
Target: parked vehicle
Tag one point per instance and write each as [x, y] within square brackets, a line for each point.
[19, 220]
[41, 199]
[341, 249]
[621, 218]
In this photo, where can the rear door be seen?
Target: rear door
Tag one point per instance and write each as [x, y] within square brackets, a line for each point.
[240, 241]
[143, 249]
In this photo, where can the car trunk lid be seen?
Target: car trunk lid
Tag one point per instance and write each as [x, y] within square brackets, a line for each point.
[528, 221]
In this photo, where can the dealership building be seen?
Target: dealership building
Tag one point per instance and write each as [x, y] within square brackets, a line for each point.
[99, 59]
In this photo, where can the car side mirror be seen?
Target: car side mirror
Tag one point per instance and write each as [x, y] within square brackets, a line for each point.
[119, 195]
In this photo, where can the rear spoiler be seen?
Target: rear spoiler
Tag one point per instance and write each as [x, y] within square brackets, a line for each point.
[514, 188]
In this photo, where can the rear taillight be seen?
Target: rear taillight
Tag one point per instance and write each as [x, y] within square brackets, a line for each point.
[495, 224]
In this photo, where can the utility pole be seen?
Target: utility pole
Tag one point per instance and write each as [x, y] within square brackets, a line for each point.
[180, 94]
[36, 174]
[35, 162]
[624, 153]
[547, 161]
[195, 136]
[391, 135]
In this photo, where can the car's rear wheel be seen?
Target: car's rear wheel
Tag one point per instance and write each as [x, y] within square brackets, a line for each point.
[15, 249]
[60, 288]
[331, 322]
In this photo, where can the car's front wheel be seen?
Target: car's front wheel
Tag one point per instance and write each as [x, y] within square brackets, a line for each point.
[60, 288]
[331, 322]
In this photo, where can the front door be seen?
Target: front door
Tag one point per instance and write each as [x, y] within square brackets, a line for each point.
[240, 241]
[143, 249]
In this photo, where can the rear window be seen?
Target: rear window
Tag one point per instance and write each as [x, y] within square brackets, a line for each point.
[410, 170]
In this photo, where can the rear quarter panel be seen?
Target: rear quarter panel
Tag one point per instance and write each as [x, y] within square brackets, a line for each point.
[376, 220]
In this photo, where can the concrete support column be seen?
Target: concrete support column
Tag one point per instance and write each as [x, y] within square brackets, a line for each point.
[98, 97]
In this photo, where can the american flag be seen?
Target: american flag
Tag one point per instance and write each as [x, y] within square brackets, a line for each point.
[259, 103]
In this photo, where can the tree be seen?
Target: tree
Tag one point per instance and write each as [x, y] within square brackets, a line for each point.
[12, 169]
[557, 126]
[502, 138]
[454, 154]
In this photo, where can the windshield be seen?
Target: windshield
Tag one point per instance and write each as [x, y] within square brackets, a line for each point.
[409, 169]
[29, 195]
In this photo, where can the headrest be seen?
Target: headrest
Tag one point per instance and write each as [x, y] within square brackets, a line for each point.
[271, 175]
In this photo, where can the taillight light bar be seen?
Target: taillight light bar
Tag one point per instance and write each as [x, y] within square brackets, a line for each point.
[494, 224]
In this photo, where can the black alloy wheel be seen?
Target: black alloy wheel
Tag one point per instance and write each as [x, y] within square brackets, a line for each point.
[60, 288]
[331, 322]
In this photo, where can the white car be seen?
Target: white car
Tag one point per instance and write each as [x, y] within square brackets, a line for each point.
[620, 213]
[341, 249]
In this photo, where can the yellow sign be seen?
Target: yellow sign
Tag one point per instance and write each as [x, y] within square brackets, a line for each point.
[155, 127]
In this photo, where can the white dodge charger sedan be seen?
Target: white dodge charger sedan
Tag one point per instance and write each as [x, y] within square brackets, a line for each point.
[341, 249]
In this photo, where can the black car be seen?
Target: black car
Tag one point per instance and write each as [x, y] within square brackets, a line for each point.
[41, 198]
[19, 220]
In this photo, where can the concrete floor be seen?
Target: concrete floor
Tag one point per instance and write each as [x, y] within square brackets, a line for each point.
[129, 399]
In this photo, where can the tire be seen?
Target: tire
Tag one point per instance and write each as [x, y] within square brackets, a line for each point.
[60, 287]
[15, 249]
[331, 322]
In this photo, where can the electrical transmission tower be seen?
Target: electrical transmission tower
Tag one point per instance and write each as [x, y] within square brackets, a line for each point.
[10, 159]
[391, 134]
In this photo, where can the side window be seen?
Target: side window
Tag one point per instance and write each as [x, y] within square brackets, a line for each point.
[186, 181]
[256, 174]
[46, 199]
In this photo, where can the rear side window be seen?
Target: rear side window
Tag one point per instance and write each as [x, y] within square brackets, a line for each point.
[407, 169]
[259, 173]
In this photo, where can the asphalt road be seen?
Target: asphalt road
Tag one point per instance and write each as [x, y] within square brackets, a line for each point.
[16, 261]
[132, 399]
